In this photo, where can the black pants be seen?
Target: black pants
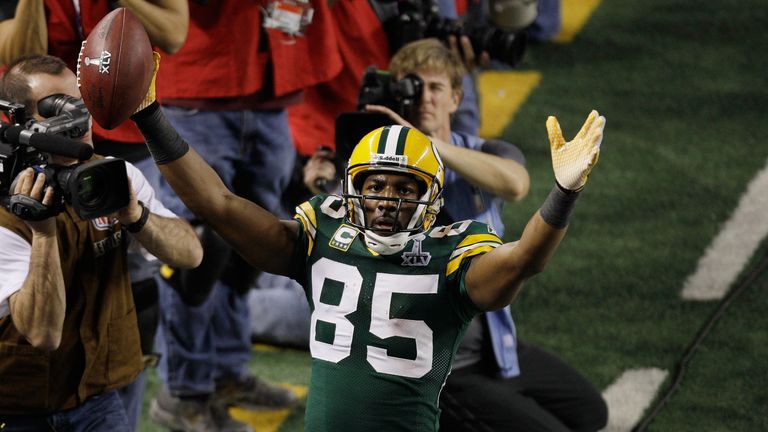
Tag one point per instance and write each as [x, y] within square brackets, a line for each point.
[548, 395]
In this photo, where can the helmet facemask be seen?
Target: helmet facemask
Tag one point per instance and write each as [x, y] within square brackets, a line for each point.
[425, 167]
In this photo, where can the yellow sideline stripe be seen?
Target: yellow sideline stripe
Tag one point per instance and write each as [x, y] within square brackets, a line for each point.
[269, 420]
[574, 14]
[266, 348]
[166, 271]
[501, 95]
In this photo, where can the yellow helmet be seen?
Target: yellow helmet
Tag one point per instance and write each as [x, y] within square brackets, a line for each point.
[400, 150]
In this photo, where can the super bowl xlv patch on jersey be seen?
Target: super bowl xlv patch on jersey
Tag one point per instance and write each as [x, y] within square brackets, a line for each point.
[384, 329]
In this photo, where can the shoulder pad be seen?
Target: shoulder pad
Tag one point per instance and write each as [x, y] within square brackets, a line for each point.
[470, 238]
[323, 206]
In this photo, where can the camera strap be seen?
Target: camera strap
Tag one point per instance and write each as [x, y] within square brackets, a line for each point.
[28, 208]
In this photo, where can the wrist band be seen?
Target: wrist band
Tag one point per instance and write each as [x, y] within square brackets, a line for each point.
[139, 224]
[163, 142]
[557, 208]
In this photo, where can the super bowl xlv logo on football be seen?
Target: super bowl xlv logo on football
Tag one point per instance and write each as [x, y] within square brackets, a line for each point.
[102, 62]
[416, 257]
[343, 237]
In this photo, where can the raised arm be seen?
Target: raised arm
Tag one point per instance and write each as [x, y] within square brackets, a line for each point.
[261, 239]
[494, 279]
[166, 21]
[25, 33]
[38, 307]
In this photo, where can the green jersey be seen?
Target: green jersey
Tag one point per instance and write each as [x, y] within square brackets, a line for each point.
[384, 329]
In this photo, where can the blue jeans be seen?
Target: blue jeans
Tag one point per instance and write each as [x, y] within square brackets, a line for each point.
[252, 151]
[253, 154]
[283, 311]
[98, 413]
[132, 397]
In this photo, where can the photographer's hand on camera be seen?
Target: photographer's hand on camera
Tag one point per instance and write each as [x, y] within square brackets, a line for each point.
[131, 213]
[463, 47]
[33, 187]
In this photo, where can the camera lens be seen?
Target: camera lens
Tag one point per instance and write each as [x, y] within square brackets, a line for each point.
[89, 192]
[504, 46]
[99, 188]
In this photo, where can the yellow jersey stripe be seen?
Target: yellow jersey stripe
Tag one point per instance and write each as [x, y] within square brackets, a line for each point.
[309, 230]
[477, 238]
[309, 212]
[455, 263]
[460, 251]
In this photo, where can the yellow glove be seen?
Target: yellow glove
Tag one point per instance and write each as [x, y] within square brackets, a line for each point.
[151, 95]
[574, 160]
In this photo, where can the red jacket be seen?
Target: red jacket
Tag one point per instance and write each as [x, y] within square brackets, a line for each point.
[226, 56]
[361, 42]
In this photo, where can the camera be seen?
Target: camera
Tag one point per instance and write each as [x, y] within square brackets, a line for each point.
[93, 188]
[64, 115]
[381, 88]
[410, 20]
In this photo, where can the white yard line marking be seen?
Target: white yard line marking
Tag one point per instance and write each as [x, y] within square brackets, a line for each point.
[731, 250]
[630, 395]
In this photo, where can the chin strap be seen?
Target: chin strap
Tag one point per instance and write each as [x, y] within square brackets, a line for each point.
[386, 245]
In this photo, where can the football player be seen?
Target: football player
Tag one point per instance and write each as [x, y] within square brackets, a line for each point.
[390, 293]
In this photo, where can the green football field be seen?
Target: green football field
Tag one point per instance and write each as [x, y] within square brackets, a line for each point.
[677, 196]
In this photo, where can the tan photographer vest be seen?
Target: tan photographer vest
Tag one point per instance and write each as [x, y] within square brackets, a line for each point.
[100, 347]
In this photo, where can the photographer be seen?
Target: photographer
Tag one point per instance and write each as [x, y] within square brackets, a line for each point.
[58, 28]
[496, 381]
[68, 330]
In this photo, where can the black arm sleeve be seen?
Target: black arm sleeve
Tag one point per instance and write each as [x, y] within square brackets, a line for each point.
[557, 208]
[163, 142]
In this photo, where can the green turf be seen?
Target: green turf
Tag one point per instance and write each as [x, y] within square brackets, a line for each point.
[723, 386]
[684, 87]
[684, 92]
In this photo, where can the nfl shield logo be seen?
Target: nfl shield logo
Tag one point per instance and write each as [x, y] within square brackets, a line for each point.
[416, 258]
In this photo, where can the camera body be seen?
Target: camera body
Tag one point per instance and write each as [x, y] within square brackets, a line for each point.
[93, 188]
[418, 19]
[64, 115]
[381, 88]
